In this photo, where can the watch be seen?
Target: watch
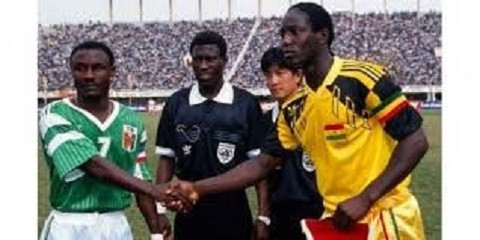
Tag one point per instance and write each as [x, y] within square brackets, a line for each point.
[264, 219]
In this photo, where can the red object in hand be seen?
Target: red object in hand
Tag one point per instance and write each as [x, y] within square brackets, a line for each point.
[316, 229]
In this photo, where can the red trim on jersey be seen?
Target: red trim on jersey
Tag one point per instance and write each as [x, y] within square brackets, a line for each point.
[141, 158]
[394, 112]
[338, 126]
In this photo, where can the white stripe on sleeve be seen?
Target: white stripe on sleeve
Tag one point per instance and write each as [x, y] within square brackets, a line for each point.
[51, 120]
[74, 175]
[144, 137]
[253, 153]
[162, 151]
[59, 139]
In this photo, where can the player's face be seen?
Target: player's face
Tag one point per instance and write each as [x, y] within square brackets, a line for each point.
[281, 82]
[298, 40]
[91, 72]
[208, 64]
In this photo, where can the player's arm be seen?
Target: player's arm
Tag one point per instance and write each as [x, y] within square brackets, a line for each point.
[165, 169]
[164, 145]
[278, 139]
[242, 176]
[145, 203]
[166, 161]
[261, 123]
[73, 155]
[145, 192]
[262, 222]
[148, 209]
[100, 168]
[403, 123]
[406, 156]
[164, 175]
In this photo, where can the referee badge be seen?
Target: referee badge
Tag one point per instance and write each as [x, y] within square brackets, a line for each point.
[307, 163]
[129, 138]
[225, 152]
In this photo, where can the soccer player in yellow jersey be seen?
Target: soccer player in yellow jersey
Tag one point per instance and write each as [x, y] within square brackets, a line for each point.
[356, 125]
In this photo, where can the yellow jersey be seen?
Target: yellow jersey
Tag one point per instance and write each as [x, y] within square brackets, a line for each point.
[349, 127]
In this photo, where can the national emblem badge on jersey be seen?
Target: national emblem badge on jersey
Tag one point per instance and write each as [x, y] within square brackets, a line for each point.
[335, 132]
[225, 152]
[129, 138]
[307, 163]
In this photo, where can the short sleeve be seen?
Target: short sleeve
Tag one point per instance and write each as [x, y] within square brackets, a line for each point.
[285, 134]
[387, 104]
[65, 144]
[164, 144]
[279, 138]
[256, 135]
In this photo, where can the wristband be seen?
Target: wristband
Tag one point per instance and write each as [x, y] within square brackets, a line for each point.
[264, 219]
[160, 208]
[156, 236]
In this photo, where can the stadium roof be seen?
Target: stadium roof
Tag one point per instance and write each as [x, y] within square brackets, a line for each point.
[82, 11]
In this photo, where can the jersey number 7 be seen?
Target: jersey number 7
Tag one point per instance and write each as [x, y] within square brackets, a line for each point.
[105, 145]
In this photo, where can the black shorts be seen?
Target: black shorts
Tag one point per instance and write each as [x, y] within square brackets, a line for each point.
[286, 219]
[216, 218]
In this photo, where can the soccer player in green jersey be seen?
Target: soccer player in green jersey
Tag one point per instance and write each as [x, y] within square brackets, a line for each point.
[95, 150]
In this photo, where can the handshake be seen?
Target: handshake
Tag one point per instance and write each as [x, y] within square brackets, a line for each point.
[178, 196]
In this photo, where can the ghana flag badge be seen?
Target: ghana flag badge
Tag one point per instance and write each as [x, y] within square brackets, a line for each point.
[335, 132]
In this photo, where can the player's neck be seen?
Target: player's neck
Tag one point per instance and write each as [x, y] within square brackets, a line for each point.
[317, 69]
[99, 107]
[211, 92]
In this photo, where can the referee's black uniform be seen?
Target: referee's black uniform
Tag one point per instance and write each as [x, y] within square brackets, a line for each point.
[207, 138]
[293, 192]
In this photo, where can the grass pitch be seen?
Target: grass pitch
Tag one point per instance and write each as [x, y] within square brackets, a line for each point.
[426, 182]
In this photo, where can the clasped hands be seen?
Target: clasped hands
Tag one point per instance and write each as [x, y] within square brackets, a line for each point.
[178, 196]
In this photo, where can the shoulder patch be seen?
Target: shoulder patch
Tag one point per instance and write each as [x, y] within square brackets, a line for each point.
[292, 110]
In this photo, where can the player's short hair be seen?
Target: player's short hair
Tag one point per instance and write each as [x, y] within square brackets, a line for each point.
[319, 18]
[94, 45]
[210, 37]
[274, 56]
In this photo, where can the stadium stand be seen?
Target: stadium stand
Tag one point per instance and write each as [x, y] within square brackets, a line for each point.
[151, 55]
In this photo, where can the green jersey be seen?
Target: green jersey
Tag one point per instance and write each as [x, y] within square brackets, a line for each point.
[71, 136]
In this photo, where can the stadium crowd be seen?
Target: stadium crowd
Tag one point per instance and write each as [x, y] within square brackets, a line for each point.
[151, 55]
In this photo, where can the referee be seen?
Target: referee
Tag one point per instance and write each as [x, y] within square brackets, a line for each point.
[206, 130]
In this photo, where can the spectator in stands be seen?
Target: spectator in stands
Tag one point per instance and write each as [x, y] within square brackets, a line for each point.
[152, 53]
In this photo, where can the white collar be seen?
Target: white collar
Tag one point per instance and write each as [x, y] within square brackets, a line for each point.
[275, 111]
[102, 126]
[225, 95]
